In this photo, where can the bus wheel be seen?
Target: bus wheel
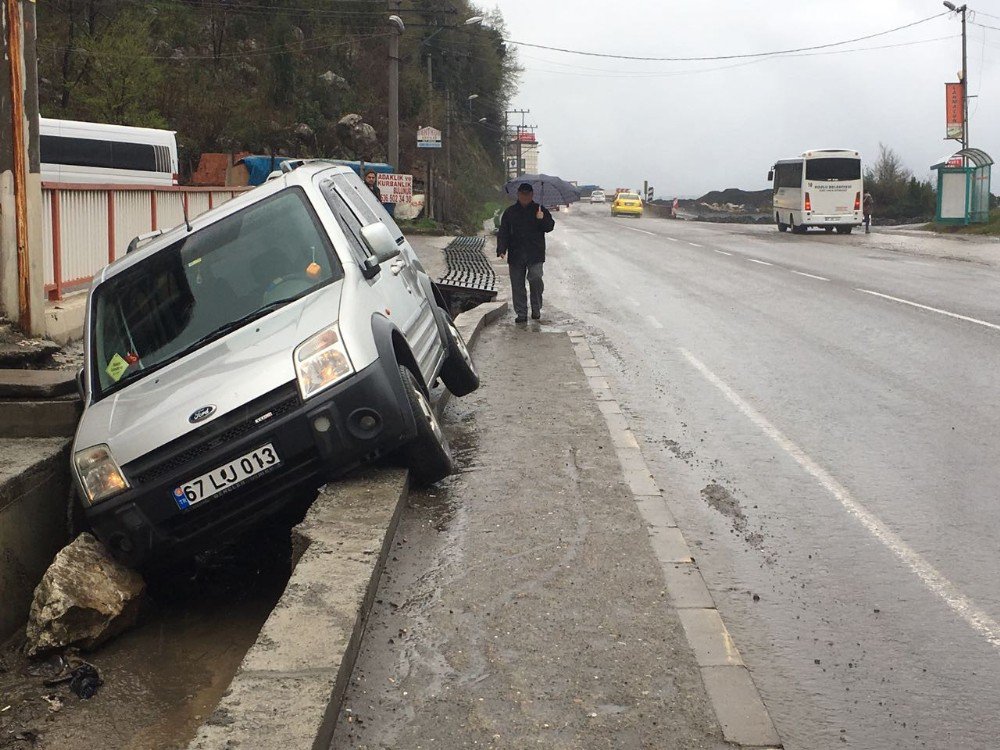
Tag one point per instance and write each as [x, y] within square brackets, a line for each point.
[828, 230]
[844, 230]
[782, 227]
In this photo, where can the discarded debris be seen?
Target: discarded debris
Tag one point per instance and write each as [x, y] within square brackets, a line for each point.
[84, 598]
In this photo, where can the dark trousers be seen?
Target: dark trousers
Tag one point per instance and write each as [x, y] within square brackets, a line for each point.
[532, 272]
[868, 222]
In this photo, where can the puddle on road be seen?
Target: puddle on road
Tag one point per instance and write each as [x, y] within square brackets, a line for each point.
[164, 677]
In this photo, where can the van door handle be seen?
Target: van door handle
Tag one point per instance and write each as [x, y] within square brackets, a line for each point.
[397, 267]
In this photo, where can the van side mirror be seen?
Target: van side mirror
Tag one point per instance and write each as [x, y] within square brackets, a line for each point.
[770, 176]
[80, 387]
[380, 242]
[370, 268]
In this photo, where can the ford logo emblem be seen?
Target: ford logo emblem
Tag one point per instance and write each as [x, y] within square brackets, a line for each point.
[201, 414]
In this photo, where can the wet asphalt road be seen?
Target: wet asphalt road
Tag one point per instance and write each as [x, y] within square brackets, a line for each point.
[830, 454]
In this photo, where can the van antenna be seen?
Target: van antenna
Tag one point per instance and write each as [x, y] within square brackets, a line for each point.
[187, 222]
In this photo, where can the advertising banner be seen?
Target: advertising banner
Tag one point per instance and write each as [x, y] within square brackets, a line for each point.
[428, 138]
[954, 101]
[396, 188]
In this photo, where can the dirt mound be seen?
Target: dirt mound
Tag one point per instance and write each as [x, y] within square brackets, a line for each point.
[737, 197]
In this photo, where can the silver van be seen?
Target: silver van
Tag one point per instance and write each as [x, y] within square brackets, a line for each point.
[262, 349]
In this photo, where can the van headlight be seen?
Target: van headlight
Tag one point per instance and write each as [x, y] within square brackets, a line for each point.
[321, 361]
[99, 473]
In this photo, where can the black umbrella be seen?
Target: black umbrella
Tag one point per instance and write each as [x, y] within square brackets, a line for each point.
[549, 190]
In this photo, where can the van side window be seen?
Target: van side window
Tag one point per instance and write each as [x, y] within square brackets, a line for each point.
[347, 219]
[367, 205]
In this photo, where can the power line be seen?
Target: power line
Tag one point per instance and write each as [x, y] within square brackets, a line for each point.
[727, 57]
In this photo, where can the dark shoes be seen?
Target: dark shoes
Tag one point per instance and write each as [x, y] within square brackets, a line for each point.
[536, 315]
[520, 319]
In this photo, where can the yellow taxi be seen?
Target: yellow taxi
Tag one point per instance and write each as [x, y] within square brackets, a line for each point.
[627, 204]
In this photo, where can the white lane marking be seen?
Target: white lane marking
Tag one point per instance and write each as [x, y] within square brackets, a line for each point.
[632, 301]
[654, 322]
[762, 262]
[673, 239]
[966, 318]
[722, 252]
[633, 229]
[810, 275]
[694, 244]
[962, 605]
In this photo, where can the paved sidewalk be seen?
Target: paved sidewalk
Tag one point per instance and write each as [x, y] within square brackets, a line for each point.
[522, 604]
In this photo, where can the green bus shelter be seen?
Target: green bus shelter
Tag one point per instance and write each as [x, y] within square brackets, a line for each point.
[963, 188]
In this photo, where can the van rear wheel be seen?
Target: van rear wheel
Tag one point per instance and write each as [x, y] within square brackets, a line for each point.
[844, 230]
[428, 455]
[458, 373]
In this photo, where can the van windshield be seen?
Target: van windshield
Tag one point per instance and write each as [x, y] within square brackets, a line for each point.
[205, 285]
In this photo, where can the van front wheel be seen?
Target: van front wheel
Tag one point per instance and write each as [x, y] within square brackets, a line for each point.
[428, 455]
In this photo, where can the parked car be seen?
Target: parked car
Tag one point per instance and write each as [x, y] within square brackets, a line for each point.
[627, 204]
[597, 196]
[279, 341]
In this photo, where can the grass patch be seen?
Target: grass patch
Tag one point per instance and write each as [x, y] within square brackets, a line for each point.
[992, 227]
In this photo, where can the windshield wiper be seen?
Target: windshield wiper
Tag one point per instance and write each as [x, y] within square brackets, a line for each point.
[217, 333]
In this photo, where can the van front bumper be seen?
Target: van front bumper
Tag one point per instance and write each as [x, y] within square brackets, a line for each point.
[353, 422]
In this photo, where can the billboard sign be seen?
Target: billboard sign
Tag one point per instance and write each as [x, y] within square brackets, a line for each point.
[954, 102]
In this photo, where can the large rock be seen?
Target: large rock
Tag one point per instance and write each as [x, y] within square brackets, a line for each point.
[84, 598]
[357, 136]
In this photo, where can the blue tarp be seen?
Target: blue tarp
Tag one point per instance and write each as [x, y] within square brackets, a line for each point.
[259, 167]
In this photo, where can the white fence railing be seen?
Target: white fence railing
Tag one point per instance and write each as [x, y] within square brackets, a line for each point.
[88, 226]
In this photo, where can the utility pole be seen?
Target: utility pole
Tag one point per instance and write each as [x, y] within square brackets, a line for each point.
[965, 75]
[506, 141]
[398, 28]
[21, 268]
[447, 155]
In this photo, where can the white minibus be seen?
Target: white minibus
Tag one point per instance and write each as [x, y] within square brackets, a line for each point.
[821, 188]
[92, 152]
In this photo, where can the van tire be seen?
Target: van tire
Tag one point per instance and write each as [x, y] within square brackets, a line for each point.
[458, 373]
[428, 455]
[844, 230]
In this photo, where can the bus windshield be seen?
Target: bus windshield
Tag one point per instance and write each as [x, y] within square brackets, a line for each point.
[833, 170]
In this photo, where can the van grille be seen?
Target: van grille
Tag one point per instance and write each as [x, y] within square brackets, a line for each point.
[225, 429]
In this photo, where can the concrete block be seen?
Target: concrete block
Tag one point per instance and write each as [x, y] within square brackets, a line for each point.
[609, 407]
[669, 545]
[686, 587]
[709, 638]
[34, 493]
[739, 708]
[640, 482]
[64, 319]
[36, 384]
[39, 419]
[654, 511]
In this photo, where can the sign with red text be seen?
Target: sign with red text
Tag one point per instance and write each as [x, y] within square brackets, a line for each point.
[395, 188]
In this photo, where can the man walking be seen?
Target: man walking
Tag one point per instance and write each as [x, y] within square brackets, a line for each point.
[521, 240]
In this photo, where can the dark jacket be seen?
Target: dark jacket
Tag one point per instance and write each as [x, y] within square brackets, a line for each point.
[522, 236]
[374, 189]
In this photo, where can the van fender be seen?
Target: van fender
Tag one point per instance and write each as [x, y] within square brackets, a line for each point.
[393, 351]
[436, 298]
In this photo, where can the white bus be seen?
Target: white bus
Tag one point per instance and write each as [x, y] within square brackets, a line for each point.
[821, 188]
[92, 152]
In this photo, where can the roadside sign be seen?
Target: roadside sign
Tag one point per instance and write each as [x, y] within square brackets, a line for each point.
[428, 138]
[954, 100]
[395, 188]
[649, 194]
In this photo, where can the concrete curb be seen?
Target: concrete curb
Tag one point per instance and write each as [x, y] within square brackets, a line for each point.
[289, 689]
[738, 706]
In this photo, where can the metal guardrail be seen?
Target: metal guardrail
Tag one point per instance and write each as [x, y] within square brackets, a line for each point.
[87, 226]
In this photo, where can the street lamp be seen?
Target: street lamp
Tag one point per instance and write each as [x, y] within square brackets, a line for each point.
[469, 99]
[965, 75]
[398, 28]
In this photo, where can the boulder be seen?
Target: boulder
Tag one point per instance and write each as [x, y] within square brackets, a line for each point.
[84, 598]
[357, 136]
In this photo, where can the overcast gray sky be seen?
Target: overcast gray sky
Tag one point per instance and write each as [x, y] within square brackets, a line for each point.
[692, 127]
